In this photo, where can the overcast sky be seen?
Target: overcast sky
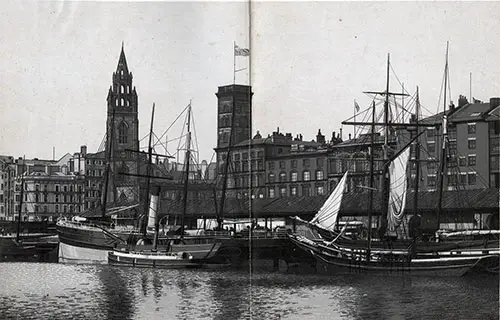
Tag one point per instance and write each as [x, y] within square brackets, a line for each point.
[309, 62]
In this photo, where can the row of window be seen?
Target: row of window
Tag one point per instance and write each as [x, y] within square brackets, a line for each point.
[45, 208]
[98, 162]
[306, 176]
[452, 131]
[244, 155]
[45, 198]
[471, 145]
[306, 191]
[454, 179]
[293, 163]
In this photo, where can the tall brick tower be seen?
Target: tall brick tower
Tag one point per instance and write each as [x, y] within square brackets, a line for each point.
[122, 142]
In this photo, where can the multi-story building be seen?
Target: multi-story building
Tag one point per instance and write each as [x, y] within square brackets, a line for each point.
[48, 189]
[473, 147]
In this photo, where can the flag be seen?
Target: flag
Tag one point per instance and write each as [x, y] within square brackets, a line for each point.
[356, 106]
[241, 51]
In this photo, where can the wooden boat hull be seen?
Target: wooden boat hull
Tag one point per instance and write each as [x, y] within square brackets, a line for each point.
[42, 249]
[332, 261]
[148, 260]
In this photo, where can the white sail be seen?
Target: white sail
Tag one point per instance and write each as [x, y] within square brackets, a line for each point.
[152, 213]
[327, 215]
[397, 190]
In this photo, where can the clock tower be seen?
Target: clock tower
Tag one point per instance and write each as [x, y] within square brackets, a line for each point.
[122, 136]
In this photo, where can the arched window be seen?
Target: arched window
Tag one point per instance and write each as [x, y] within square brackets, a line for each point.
[122, 89]
[122, 133]
[293, 176]
[122, 102]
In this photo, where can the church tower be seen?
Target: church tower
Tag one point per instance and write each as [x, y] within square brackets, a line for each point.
[122, 142]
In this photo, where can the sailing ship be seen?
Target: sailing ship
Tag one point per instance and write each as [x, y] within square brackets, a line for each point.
[335, 256]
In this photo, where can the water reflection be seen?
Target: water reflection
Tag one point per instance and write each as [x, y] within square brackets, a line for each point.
[119, 300]
[53, 291]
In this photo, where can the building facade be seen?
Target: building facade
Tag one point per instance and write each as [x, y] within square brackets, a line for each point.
[40, 190]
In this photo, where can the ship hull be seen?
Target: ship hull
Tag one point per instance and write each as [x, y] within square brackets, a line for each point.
[331, 261]
[28, 250]
[194, 256]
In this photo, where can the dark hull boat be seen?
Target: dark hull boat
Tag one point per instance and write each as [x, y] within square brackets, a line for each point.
[42, 248]
[332, 260]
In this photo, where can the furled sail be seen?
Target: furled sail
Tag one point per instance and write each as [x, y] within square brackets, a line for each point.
[397, 190]
[326, 217]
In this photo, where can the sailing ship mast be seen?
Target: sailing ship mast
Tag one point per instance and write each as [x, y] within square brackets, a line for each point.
[187, 161]
[21, 201]
[370, 199]
[148, 174]
[108, 165]
[442, 168]
[417, 157]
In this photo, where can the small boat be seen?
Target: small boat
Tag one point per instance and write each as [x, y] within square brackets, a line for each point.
[160, 259]
[152, 259]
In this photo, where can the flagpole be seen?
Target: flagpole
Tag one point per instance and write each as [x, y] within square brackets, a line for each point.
[234, 62]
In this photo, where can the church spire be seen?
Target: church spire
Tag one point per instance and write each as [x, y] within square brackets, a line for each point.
[122, 62]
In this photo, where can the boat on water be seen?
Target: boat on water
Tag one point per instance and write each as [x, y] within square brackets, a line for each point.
[342, 254]
[333, 260]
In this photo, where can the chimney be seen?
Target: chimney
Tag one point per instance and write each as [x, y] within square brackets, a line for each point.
[320, 138]
[83, 150]
[452, 106]
[349, 136]
[494, 102]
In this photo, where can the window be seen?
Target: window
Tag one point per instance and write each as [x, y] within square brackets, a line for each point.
[472, 178]
[260, 154]
[122, 133]
[57, 208]
[64, 208]
[306, 175]
[282, 191]
[320, 190]
[57, 188]
[306, 190]
[57, 198]
[44, 208]
[294, 164]
[472, 143]
[319, 162]
[431, 181]
[305, 162]
[462, 161]
[293, 176]
[36, 209]
[430, 132]
[431, 146]
[271, 177]
[65, 188]
[452, 180]
[271, 193]
[271, 165]
[282, 177]
[282, 164]
[471, 128]
[462, 179]
[293, 191]
[472, 160]
[319, 175]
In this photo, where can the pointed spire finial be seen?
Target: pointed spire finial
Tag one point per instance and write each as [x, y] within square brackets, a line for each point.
[122, 45]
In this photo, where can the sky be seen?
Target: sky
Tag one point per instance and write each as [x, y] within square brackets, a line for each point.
[309, 61]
